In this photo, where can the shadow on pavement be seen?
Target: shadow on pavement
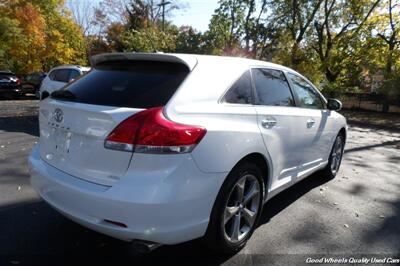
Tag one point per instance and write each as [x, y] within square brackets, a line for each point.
[386, 143]
[34, 232]
[287, 197]
[24, 124]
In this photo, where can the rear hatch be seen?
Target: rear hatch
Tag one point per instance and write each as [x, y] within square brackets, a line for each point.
[75, 121]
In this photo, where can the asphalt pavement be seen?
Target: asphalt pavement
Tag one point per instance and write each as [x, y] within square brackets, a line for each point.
[355, 215]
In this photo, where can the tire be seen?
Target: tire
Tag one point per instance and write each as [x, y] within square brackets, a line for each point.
[335, 158]
[231, 223]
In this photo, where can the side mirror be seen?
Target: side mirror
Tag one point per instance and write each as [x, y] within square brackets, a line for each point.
[334, 104]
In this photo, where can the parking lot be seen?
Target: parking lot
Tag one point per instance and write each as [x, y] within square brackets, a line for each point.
[357, 213]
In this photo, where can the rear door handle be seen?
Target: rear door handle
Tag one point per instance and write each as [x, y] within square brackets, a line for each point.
[310, 123]
[268, 122]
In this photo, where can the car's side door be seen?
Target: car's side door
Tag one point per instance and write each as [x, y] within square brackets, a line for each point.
[312, 122]
[276, 117]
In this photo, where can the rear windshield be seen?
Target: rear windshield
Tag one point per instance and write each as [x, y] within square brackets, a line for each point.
[138, 84]
[6, 75]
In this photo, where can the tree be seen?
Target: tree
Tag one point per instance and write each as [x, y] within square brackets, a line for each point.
[83, 14]
[64, 38]
[338, 23]
[9, 30]
[27, 24]
[38, 35]
[189, 41]
[295, 17]
[387, 26]
[138, 14]
[149, 39]
[391, 34]
[226, 27]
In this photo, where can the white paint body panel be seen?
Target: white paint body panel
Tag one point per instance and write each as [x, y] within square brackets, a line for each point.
[168, 198]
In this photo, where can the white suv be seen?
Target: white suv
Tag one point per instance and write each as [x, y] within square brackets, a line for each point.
[60, 76]
[165, 148]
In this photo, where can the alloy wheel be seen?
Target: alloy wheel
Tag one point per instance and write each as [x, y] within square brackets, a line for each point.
[242, 208]
[336, 155]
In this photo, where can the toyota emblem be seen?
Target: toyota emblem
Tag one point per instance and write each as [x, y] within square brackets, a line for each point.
[58, 115]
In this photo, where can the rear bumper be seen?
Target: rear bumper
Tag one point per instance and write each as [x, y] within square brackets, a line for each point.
[159, 211]
[12, 90]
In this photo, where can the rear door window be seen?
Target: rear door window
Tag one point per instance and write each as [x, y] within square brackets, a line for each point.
[272, 87]
[137, 84]
[62, 75]
[73, 74]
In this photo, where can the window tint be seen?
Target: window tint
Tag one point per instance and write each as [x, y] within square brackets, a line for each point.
[73, 74]
[61, 75]
[240, 92]
[6, 75]
[52, 74]
[139, 84]
[308, 97]
[272, 88]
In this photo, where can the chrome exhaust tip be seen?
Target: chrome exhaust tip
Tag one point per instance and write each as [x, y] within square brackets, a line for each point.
[142, 246]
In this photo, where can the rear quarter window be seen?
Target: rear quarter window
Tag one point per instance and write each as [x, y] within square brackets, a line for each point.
[240, 92]
[137, 84]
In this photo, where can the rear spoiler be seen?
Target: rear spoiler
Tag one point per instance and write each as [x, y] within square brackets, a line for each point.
[188, 60]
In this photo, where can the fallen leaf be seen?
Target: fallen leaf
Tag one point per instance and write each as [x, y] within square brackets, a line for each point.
[381, 216]
[19, 188]
[335, 203]
[345, 225]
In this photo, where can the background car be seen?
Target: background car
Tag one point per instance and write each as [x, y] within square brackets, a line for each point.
[10, 85]
[31, 83]
[58, 77]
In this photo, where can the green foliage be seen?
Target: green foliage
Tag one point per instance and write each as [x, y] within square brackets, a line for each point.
[341, 45]
[391, 86]
[38, 35]
[149, 39]
[8, 30]
[190, 41]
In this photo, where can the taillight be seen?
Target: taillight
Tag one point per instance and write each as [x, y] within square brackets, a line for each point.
[150, 132]
[18, 81]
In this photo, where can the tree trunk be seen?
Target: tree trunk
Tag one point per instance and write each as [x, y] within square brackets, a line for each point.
[385, 105]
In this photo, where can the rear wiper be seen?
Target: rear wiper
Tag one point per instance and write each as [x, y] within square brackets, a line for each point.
[62, 94]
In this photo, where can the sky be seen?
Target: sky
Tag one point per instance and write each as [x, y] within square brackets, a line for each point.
[196, 14]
